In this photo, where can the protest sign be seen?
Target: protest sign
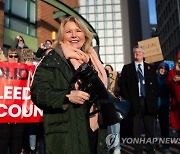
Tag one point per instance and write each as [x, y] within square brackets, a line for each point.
[112, 81]
[26, 55]
[15, 100]
[152, 50]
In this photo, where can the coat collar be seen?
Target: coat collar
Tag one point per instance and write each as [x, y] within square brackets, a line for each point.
[56, 59]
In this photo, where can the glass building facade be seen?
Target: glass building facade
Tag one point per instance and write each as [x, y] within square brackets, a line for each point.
[105, 18]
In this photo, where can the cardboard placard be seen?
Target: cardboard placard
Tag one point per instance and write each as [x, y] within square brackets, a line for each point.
[152, 49]
[26, 55]
[112, 81]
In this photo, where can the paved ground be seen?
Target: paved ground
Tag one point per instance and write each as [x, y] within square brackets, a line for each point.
[175, 149]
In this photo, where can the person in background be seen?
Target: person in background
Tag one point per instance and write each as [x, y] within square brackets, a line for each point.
[11, 134]
[19, 43]
[138, 84]
[163, 103]
[55, 89]
[2, 56]
[44, 49]
[174, 86]
[113, 129]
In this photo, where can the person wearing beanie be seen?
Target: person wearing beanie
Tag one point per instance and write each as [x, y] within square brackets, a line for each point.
[174, 85]
[163, 103]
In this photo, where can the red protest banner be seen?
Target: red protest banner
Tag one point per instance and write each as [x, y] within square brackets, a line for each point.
[15, 100]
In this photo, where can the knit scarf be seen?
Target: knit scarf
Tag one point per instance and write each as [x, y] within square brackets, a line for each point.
[77, 57]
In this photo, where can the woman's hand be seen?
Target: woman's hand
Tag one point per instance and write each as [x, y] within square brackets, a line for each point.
[176, 78]
[78, 97]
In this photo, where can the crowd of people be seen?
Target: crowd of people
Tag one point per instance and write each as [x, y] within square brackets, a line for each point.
[72, 113]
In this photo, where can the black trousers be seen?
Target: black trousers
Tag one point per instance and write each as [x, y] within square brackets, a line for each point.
[11, 136]
[163, 116]
[148, 124]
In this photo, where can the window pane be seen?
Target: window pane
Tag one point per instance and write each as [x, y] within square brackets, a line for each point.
[118, 32]
[100, 8]
[109, 25]
[92, 17]
[109, 50]
[102, 50]
[119, 58]
[108, 8]
[82, 10]
[117, 24]
[19, 7]
[6, 22]
[91, 9]
[109, 41]
[100, 25]
[118, 50]
[101, 33]
[33, 12]
[6, 6]
[19, 25]
[109, 16]
[100, 17]
[117, 8]
[117, 16]
[109, 33]
[101, 41]
[109, 59]
[32, 30]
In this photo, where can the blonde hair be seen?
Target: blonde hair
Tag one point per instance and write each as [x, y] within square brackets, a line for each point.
[88, 34]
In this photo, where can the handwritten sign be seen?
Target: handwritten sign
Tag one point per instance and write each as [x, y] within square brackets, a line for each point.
[112, 81]
[26, 55]
[152, 49]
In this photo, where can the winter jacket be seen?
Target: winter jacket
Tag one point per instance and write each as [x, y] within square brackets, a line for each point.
[175, 100]
[65, 123]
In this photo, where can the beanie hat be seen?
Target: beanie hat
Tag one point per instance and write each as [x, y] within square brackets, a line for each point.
[163, 64]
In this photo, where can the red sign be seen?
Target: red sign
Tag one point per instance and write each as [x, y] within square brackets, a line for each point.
[15, 100]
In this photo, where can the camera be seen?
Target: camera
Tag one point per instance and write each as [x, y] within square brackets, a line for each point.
[46, 45]
[113, 109]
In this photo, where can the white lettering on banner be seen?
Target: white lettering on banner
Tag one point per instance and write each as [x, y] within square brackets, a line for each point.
[16, 93]
[33, 110]
[10, 110]
[4, 107]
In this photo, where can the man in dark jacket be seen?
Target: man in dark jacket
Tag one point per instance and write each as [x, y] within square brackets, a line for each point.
[139, 85]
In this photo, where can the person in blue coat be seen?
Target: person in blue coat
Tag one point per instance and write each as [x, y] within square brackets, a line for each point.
[163, 103]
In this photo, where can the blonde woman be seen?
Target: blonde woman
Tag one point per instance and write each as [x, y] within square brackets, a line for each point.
[68, 130]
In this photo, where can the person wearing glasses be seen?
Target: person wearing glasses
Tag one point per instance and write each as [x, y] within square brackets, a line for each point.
[11, 134]
[19, 43]
[138, 84]
[13, 56]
